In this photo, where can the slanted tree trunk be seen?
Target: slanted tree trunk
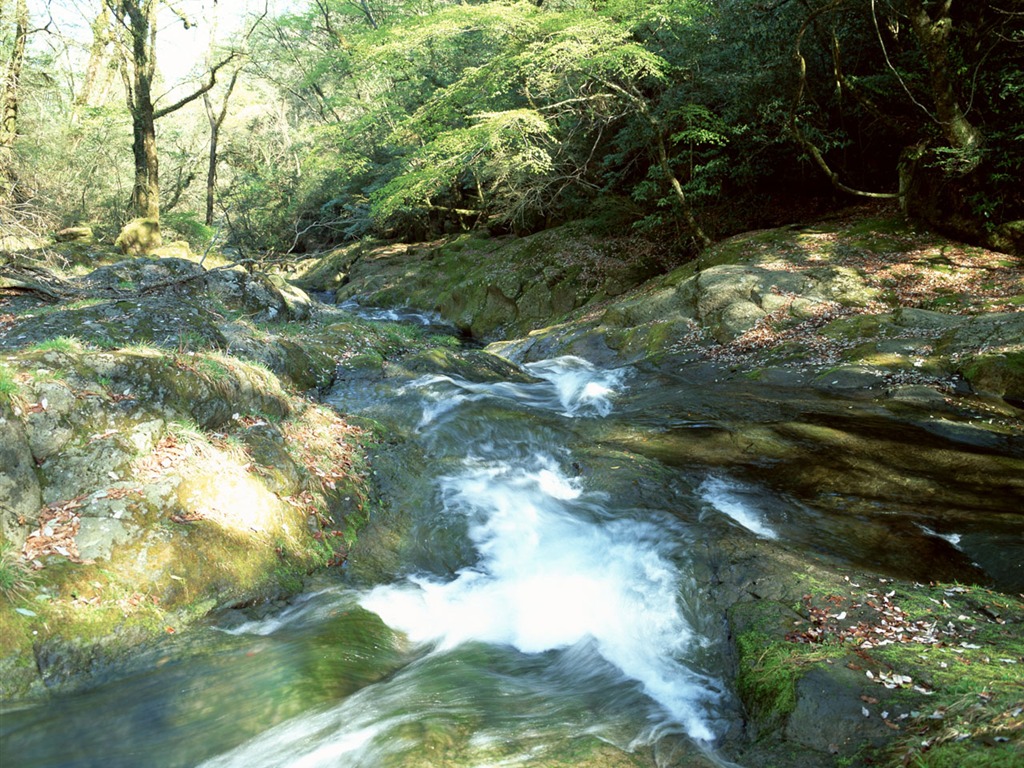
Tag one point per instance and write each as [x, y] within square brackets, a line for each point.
[92, 82]
[216, 121]
[641, 106]
[371, 19]
[10, 97]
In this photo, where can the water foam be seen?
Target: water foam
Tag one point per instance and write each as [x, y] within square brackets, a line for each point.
[580, 387]
[569, 386]
[728, 498]
[952, 538]
[550, 576]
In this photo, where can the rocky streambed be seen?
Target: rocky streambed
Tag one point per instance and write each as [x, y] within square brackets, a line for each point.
[852, 391]
[834, 408]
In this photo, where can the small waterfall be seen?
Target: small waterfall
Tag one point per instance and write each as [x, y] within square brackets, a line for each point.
[568, 617]
[553, 573]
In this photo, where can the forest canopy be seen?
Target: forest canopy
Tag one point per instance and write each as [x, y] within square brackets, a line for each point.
[321, 121]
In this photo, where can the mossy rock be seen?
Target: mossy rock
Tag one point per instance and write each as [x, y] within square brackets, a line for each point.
[140, 237]
[79, 234]
[20, 493]
[1009, 237]
[178, 249]
[1000, 373]
[767, 676]
[470, 364]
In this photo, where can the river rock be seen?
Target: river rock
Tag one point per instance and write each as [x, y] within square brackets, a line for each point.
[139, 237]
[20, 495]
[830, 716]
[97, 537]
[48, 428]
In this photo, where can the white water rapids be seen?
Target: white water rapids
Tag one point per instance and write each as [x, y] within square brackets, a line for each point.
[587, 600]
[549, 578]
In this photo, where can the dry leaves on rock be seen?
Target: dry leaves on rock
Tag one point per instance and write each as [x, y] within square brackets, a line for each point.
[58, 526]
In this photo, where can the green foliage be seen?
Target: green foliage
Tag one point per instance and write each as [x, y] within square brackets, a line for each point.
[8, 385]
[16, 576]
[58, 344]
[189, 226]
[412, 117]
[501, 151]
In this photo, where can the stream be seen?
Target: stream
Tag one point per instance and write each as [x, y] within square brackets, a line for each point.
[548, 608]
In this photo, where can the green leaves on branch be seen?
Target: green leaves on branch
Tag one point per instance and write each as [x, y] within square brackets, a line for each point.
[526, 121]
[497, 156]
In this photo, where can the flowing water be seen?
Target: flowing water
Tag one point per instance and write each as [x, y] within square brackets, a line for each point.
[537, 612]
[542, 615]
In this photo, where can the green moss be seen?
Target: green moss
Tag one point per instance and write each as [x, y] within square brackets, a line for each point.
[959, 649]
[960, 754]
[768, 665]
[856, 327]
[766, 682]
[883, 235]
[81, 304]
[999, 373]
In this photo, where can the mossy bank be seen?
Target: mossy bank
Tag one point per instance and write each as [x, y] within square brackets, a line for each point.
[164, 453]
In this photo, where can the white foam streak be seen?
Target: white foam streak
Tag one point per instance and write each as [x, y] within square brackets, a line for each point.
[549, 578]
[401, 315]
[305, 607]
[580, 387]
[728, 499]
[568, 385]
[952, 538]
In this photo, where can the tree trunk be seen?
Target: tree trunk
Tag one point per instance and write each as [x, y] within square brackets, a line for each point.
[136, 20]
[211, 172]
[216, 121]
[933, 36]
[371, 19]
[691, 219]
[92, 88]
[10, 96]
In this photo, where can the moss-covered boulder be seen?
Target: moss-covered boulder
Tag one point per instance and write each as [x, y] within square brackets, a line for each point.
[489, 286]
[161, 459]
[139, 237]
[79, 234]
[861, 671]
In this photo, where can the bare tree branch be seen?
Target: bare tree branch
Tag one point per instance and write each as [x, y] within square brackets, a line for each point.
[205, 88]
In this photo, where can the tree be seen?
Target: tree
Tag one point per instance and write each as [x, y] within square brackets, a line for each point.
[11, 99]
[517, 134]
[933, 30]
[942, 87]
[216, 119]
[135, 30]
[94, 81]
